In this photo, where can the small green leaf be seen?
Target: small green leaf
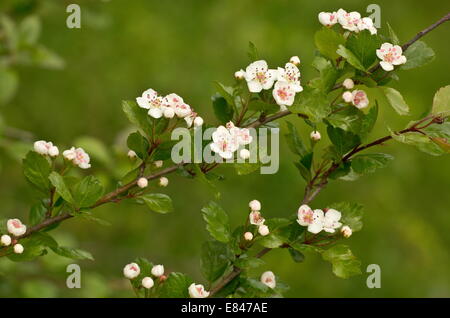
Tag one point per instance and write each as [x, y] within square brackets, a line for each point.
[158, 202]
[87, 191]
[345, 264]
[421, 142]
[176, 286]
[418, 54]
[139, 144]
[352, 214]
[364, 45]
[222, 109]
[294, 141]
[392, 35]
[247, 262]
[327, 42]
[342, 140]
[350, 57]
[396, 100]
[29, 30]
[296, 256]
[271, 241]
[313, 103]
[253, 54]
[61, 188]
[441, 102]
[368, 122]
[37, 170]
[246, 167]
[368, 163]
[349, 119]
[8, 84]
[217, 222]
[137, 115]
[328, 74]
[72, 253]
[216, 258]
[37, 213]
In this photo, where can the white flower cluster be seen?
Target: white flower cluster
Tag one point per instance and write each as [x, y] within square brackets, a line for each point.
[287, 80]
[17, 229]
[357, 98]
[226, 140]
[319, 220]
[132, 270]
[256, 218]
[77, 155]
[350, 21]
[168, 106]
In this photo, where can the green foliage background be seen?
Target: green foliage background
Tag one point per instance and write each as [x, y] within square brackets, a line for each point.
[125, 47]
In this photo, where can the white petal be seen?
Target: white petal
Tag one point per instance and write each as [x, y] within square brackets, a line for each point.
[386, 66]
[254, 86]
[155, 112]
[315, 227]
[142, 102]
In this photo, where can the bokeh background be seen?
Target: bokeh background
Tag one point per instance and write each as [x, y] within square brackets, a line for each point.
[125, 47]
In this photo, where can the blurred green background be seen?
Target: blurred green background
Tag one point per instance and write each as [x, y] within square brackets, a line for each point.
[125, 47]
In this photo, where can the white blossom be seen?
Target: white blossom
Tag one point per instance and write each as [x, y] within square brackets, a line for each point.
[131, 270]
[348, 83]
[151, 101]
[255, 218]
[158, 163]
[244, 154]
[148, 282]
[263, 230]
[347, 97]
[268, 279]
[346, 231]
[359, 99]
[255, 205]
[291, 75]
[259, 77]
[295, 60]
[163, 182]
[131, 154]
[168, 112]
[248, 236]
[158, 270]
[283, 93]
[78, 156]
[46, 148]
[18, 248]
[349, 20]
[367, 24]
[224, 143]
[328, 18]
[239, 74]
[198, 121]
[178, 105]
[390, 55]
[316, 225]
[16, 227]
[315, 135]
[197, 291]
[5, 240]
[331, 220]
[142, 182]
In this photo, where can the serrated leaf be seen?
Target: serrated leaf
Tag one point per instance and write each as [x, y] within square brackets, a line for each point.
[158, 202]
[344, 263]
[222, 109]
[350, 57]
[352, 214]
[37, 170]
[139, 144]
[137, 115]
[441, 102]
[216, 258]
[87, 192]
[72, 253]
[369, 163]
[364, 45]
[61, 187]
[342, 140]
[217, 222]
[37, 213]
[312, 103]
[417, 55]
[176, 286]
[294, 140]
[327, 42]
[396, 100]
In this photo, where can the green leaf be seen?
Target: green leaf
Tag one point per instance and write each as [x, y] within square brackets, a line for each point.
[348, 119]
[296, 256]
[224, 91]
[61, 188]
[216, 258]
[217, 222]
[137, 115]
[393, 37]
[246, 167]
[396, 100]
[304, 171]
[352, 214]
[364, 45]
[87, 192]
[342, 140]
[368, 163]
[8, 84]
[72, 253]
[253, 54]
[176, 286]
[37, 213]
[247, 262]
[272, 240]
[37, 170]
[312, 103]
[222, 109]
[139, 144]
[368, 122]
[294, 141]
[418, 54]
[158, 202]
[29, 30]
[204, 179]
[328, 74]
[327, 42]
[350, 57]
[441, 102]
[421, 142]
[345, 264]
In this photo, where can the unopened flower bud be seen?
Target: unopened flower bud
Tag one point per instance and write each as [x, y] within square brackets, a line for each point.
[158, 163]
[197, 291]
[162, 278]
[158, 270]
[15, 227]
[169, 112]
[5, 240]
[268, 279]
[40, 147]
[255, 205]
[348, 83]
[244, 154]
[142, 182]
[198, 121]
[163, 182]
[347, 97]
[263, 230]
[239, 74]
[131, 154]
[315, 135]
[53, 151]
[295, 60]
[131, 270]
[248, 236]
[18, 249]
[346, 231]
[148, 282]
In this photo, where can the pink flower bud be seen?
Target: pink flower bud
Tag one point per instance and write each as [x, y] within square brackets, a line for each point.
[142, 182]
